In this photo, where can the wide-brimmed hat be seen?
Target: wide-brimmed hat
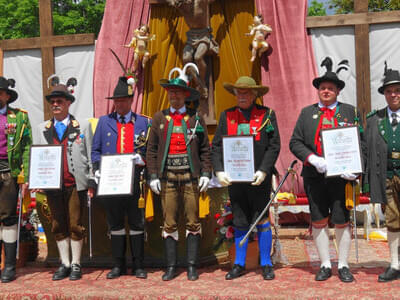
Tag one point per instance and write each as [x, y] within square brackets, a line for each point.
[246, 82]
[5, 84]
[390, 77]
[180, 83]
[331, 76]
[60, 90]
[122, 89]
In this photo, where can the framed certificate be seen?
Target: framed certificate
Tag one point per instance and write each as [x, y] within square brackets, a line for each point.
[116, 175]
[238, 154]
[342, 151]
[45, 167]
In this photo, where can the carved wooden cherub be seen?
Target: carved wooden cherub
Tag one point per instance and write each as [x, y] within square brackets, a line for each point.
[261, 32]
[141, 36]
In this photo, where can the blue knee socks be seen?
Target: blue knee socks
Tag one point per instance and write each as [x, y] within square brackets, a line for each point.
[240, 258]
[264, 243]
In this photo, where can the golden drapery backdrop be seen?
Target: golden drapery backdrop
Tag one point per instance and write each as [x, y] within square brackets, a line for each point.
[229, 21]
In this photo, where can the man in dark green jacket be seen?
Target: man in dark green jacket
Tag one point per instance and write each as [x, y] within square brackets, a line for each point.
[15, 142]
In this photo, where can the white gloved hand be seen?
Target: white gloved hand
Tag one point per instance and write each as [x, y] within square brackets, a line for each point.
[203, 183]
[155, 186]
[223, 178]
[318, 162]
[138, 159]
[259, 177]
[97, 176]
[348, 176]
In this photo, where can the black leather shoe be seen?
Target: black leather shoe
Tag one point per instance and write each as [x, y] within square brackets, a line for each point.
[62, 272]
[76, 272]
[116, 272]
[323, 274]
[139, 273]
[192, 274]
[8, 274]
[236, 272]
[389, 275]
[268, 272]
[345, 275]
[169, 274]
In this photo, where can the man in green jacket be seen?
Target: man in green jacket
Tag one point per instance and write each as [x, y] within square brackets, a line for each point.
[15, 142]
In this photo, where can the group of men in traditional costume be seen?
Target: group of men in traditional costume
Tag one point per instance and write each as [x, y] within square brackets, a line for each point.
[174, 148]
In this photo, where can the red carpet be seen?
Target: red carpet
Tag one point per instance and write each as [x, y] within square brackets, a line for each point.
[295, 281]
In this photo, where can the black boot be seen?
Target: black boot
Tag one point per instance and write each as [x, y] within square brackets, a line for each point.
[192, 247]
[10, 250]
[170, 253]
[137, 250]
[118, 249]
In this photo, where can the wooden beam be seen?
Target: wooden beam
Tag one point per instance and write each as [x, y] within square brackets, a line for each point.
[360, 6]
[363, 85]
[156, 1]
[48, 68]
[354, 19]
[51, 41]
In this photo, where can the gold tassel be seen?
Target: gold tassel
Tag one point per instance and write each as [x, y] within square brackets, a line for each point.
[204, 205]
[349, 195]
[149, 210]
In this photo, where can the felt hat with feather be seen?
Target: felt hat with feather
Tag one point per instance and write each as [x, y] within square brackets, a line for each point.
[61, 90]
[389, 77]
[124, 87]
[331, 76]
[6, 84]
[182, 81]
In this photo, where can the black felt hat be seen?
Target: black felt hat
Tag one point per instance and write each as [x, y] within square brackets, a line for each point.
[390, 77]
[123, 89]
[330, 75]
[5, 84]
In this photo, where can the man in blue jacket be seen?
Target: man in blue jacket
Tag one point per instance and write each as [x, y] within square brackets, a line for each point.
[123, 131]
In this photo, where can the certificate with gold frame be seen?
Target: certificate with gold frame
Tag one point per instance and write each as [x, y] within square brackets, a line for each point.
[116, 175]
[342, 150]
[238, 157]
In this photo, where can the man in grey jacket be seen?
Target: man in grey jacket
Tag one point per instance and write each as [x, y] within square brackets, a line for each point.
[383, 164]
[67, 203]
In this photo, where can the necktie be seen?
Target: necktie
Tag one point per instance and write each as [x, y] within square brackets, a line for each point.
[394, 119]
[122, 119]
[60, 129]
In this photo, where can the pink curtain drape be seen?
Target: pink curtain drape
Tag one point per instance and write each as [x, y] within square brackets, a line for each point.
[119, 21]
[288, 70]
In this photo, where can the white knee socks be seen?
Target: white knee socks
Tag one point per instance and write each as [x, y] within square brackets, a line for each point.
[63, 249]
[321, 239]
[343, 237]
[76, 249]
[393, 241]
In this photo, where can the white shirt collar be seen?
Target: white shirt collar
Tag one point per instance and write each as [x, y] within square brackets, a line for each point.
[332, 106]
[128, 117]
[181, 111]
[390, 112]
[3, 111]
[65, 121]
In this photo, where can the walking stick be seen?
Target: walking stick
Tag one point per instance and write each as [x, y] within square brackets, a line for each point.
[20, 202]
[354, 219]
[89, 204]
[269, 203]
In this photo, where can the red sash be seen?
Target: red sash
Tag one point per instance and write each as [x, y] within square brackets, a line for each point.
[327, 114]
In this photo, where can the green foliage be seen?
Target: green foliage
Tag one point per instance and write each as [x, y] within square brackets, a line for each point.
[316, 9]
[20, 18]
[347, 6]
